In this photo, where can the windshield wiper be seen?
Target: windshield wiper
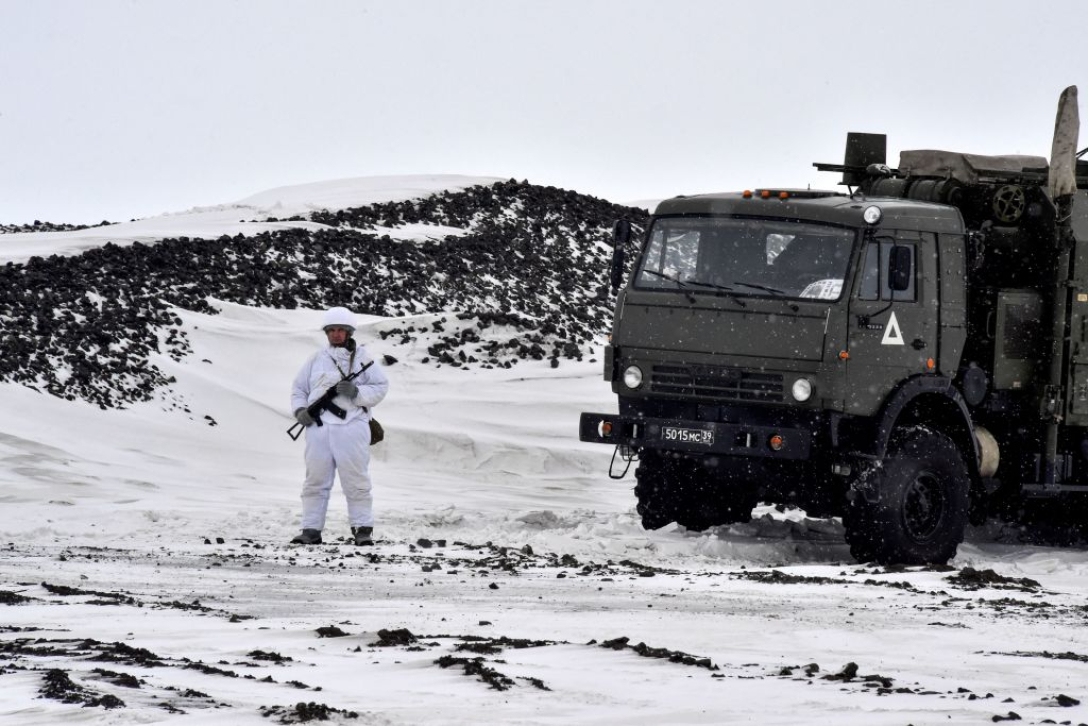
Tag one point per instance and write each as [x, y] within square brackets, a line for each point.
[724, 288]
[772, 290]
[679, 283]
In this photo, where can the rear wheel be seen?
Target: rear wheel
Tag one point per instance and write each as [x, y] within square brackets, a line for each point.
[913, 510]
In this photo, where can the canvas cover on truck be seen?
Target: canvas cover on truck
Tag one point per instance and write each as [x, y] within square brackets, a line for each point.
[967, 168]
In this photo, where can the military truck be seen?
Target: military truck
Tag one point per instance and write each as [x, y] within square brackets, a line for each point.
[910, 354]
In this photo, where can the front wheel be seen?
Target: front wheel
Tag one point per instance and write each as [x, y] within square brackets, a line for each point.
[914, 508]
[681, 490]
[655, 477]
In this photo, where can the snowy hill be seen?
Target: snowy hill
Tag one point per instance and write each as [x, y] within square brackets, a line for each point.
[148, 489]
[247, 216]
[513, 271]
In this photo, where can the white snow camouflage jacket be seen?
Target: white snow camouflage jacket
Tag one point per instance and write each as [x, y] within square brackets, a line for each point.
[320, 373]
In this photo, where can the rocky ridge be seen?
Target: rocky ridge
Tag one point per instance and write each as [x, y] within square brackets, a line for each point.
[523, 278]
[40, 226]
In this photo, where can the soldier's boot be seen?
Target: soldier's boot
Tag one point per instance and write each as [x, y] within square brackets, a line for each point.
[308, 537]
[362, 535]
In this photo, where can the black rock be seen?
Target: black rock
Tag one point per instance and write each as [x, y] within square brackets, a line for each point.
[330, 631]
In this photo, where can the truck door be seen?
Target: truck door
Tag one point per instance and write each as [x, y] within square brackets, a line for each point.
[893, 316]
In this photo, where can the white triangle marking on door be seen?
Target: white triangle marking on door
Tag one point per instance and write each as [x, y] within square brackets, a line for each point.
[892, 334]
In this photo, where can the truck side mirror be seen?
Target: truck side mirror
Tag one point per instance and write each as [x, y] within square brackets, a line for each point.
[899, 268]
[621, 236]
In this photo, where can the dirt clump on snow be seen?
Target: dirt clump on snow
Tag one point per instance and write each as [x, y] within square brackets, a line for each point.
[394, 637]
[476, 667]
[58, 686]
[673, 656]
[272, 656]
[126, 680]
[971, 579]
[7, 597]
[305, 712]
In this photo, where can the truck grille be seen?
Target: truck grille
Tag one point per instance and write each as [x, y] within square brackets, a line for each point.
[716, 382]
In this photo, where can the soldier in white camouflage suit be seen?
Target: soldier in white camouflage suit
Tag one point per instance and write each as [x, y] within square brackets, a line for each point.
[338, 445]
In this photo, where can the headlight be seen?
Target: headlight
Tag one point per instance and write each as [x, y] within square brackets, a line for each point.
[802, 390]
[872, 215]
[632, 377]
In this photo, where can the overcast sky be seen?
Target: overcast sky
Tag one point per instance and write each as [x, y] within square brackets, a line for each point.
[115, 109]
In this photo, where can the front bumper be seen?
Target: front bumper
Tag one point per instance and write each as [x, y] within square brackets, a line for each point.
[731, 439]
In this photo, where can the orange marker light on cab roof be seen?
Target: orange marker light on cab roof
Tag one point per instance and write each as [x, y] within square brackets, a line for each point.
[783, 195]
[766, 194]
[747, 194]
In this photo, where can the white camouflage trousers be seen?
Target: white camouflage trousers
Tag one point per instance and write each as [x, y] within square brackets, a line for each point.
[344, 449]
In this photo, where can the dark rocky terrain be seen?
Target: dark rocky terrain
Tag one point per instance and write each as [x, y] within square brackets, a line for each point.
[532, 263]
[40, 226]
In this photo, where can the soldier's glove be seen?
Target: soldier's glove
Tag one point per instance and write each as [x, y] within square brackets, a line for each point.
[303, 417]
[347, 389]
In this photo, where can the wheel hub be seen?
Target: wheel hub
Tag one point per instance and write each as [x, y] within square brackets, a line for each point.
[924, 506]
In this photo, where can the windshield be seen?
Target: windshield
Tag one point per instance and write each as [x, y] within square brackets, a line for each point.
[746, 257]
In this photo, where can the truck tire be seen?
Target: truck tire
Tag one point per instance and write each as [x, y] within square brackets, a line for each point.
[682, 491]
[714, 498]
[921, 503]
[698, 516]
[709, 503]
[656, 505]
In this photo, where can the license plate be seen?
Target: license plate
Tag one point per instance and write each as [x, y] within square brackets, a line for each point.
[687, 436]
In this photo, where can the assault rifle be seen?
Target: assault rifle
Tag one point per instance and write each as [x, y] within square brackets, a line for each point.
[324, 404]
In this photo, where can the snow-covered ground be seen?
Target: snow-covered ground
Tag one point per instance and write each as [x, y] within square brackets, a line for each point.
[501, 538]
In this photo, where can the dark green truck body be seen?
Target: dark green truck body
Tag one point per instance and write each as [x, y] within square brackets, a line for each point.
[914, 348]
